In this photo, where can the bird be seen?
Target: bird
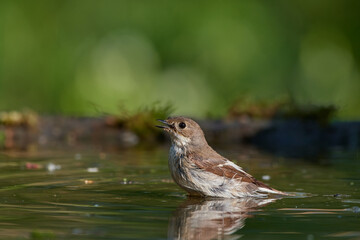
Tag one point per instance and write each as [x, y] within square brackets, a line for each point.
[201, 171]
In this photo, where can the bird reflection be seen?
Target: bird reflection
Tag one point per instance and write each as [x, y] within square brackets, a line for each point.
[198, 218]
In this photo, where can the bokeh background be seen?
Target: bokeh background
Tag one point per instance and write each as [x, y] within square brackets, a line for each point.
[82, 57]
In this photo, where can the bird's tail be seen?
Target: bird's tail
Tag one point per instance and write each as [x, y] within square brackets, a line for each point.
[270, 190]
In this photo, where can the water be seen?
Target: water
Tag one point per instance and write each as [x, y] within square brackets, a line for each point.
[130, 195]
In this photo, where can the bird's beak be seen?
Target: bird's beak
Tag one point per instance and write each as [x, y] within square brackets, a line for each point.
[166, 126]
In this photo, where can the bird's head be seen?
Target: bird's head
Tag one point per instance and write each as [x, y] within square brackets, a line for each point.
[183, 131]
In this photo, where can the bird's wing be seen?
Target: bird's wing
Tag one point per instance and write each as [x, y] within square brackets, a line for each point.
[225, 168]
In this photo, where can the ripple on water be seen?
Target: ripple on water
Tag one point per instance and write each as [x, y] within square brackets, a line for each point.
[130, 195]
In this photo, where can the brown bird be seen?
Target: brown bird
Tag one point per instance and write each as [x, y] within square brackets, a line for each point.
[201, 171]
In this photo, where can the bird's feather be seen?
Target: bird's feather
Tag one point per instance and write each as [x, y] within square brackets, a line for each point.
[225, 168]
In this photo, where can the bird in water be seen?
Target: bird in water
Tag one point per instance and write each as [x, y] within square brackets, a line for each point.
[201, 171]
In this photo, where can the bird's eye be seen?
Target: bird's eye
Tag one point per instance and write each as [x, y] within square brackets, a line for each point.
[182, 125]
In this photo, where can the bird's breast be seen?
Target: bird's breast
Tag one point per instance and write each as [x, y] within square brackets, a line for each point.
[177, 160]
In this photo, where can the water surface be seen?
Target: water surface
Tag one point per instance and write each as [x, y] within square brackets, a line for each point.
[129, 195]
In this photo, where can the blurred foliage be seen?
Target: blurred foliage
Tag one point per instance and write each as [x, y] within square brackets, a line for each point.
[321, 114]
[143, 121]
[247, 108]
[67, 56]
[16, 118]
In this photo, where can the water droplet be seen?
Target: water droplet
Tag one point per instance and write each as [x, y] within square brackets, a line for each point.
[51, 167]
[93, 170]
[266, 177]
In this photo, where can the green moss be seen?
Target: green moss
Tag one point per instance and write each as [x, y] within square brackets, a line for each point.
[247, 107]
[143, 121]
[16, 118]
[319, 113]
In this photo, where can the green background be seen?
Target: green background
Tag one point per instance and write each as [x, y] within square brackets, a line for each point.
[82, 57]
